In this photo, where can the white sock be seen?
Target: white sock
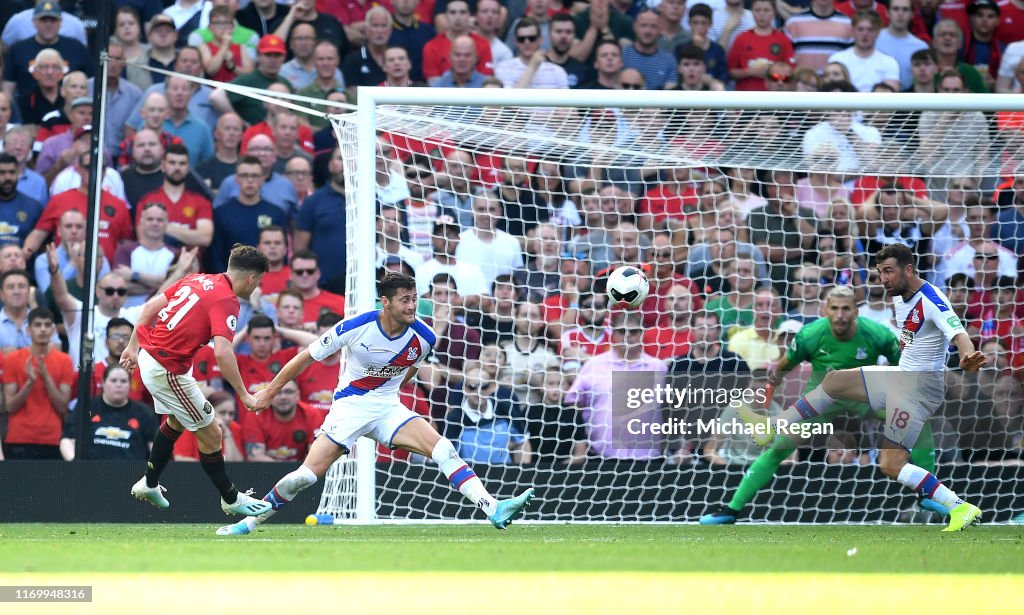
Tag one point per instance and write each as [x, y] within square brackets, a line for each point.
[925, 483]
[816, 402]
[284, 491]
[461, 476]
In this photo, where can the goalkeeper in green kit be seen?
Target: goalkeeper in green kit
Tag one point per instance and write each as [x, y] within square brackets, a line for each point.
[841, 340]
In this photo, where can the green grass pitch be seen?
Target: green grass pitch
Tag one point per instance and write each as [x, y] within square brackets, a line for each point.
[56, 548]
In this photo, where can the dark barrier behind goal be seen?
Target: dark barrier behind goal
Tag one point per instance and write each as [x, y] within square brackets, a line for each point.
[97, 492]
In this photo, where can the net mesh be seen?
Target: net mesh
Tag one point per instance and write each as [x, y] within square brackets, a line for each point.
[743, 221]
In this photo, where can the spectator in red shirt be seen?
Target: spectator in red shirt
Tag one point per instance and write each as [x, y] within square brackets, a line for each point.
[850, 8]
[187, 447]
[437, 52]
[119, 331]
[37, 386]
[285, 432]
[592, 335]
[259, 366]
[305, 277]
[671, 337]
[753, 52]
[189, 214]
[274, 243]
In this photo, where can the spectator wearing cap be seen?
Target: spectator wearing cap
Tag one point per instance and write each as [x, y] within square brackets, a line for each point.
[981, 49]
[462, 61]
[162, 38]
[57, 151]
[326, 79]
[45, 97]
[752, 54]
[270, 54]
[182, 123]
[320, 224]
[18, 66]
[73, 87]
[122, 96]
[896, 40]
[21, 26]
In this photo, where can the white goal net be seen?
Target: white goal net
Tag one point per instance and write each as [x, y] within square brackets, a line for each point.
[744, 214]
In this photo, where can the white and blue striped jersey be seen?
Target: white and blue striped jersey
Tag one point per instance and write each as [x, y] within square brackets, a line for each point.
[374, 364]
[927, 325]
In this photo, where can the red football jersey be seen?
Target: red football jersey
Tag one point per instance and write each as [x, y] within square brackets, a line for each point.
[311, 307]
[138, 390]
[205, 367]
[287, 441]
[749, 46]
[184, 212]
[201, 306]
[275, 281]
[115, 221]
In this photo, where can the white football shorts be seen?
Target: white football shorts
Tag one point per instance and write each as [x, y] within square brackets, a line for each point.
[351, 418]
[175, 395]
[909, 399]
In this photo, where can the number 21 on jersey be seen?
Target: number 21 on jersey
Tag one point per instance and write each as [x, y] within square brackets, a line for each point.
[183, 301]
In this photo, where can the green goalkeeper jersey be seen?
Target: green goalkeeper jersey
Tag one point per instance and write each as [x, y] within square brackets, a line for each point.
[815, 343]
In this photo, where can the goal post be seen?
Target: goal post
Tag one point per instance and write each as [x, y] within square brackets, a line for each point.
[600, 178]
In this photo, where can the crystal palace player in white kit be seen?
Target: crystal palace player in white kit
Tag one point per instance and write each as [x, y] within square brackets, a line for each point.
[910, 393]
[384, 349]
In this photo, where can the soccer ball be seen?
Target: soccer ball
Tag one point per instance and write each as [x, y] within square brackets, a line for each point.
[628, 287]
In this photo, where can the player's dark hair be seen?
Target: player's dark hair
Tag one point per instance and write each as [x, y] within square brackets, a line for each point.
[114, 368]
[259, 321]
[898, 252]
[40, 313]
[392, 282]
[114, 323]
[326, 319]
[6, 158]
[306, 255]
[178, 149]
[561, 17]
[691, 52]
[248, 259]
[14, 272]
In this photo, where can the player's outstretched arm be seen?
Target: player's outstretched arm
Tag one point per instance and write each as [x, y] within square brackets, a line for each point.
[150, 309]
[971, 360]
[289, 372]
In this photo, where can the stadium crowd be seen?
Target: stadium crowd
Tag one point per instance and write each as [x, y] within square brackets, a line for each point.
[509, 251]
